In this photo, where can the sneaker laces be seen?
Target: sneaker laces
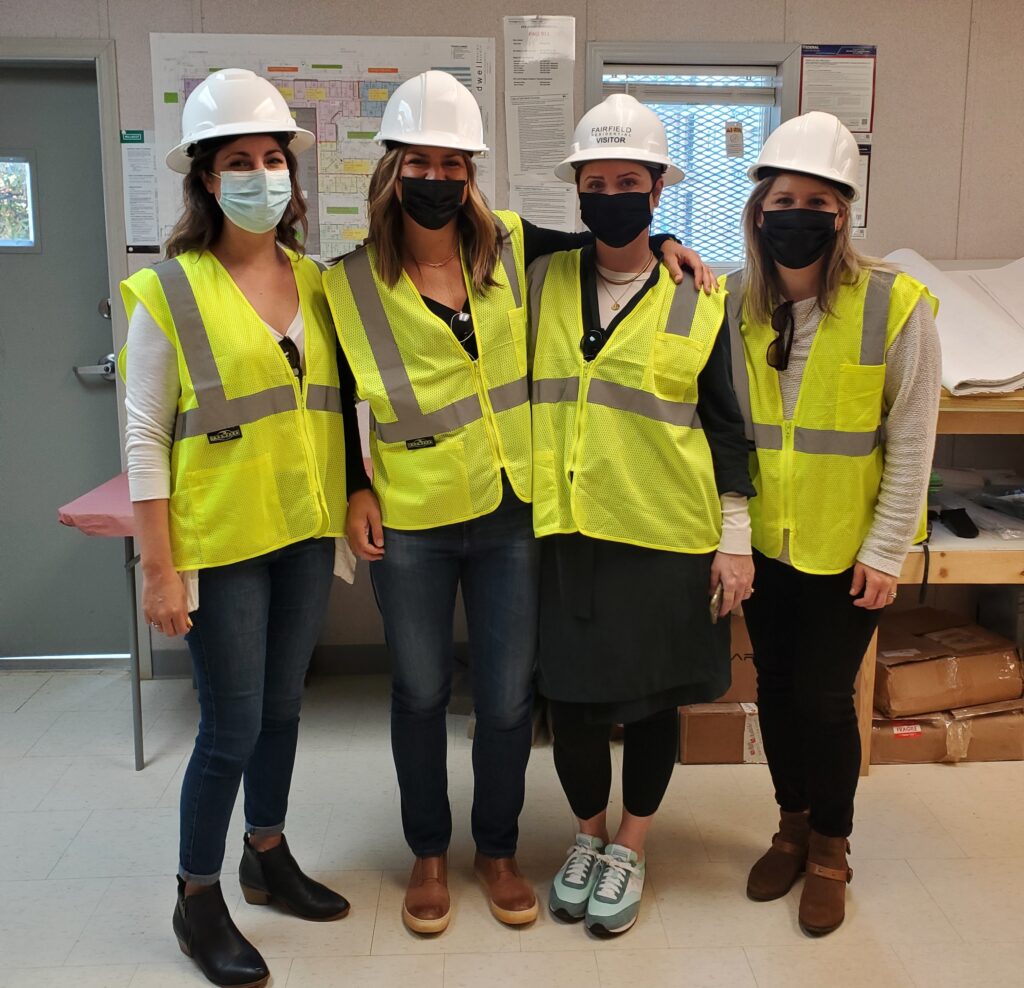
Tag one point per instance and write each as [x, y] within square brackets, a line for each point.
[614, 876]
[579, 862]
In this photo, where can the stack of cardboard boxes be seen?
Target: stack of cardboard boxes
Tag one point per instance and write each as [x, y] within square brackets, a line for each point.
[727, 731]
[946, 690]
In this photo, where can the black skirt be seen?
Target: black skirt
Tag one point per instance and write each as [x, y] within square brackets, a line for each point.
[627, 630]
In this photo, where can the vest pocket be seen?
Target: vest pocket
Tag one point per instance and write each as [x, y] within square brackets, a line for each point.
[675, 363]
[859, 397]
[517, 326]
[424, 487]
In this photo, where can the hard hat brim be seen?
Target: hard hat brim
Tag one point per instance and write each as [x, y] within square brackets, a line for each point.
[756, 172]
[566, 170]
[432, 139]
[179, 160]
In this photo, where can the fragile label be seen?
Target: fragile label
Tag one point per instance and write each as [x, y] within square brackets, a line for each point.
[907, 730]
[733, 139]
[753, 746]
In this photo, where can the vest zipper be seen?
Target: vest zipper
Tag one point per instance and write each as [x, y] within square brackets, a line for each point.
[581, 405]
[485, 401]
[787, 479]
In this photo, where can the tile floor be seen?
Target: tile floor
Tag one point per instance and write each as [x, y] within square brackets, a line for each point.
[87, 887]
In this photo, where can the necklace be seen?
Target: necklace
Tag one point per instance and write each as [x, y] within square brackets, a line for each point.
[434, 264]
[608, 281]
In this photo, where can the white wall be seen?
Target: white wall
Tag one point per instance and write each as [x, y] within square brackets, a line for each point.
[949, 136]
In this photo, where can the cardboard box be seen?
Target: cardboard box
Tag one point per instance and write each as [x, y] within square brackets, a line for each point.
[988, 732]
[744, 676]
[720, 734]
[930, 660]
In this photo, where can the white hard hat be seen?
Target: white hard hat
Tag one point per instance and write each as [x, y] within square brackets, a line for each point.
[232, 102]
[620, 127]
[814, 143]
[434, 109]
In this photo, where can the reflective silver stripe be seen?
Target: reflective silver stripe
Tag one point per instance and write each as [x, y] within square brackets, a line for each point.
[535, 278]
[740, 378]
[212, 416]
[644, 403]
[767, 436]
[876, 317]
[508, 260]
[682, 310]
[555, 389]
[447, 419]
[319, 264]
[216, 411]
[511, 395]
[831, 441]
[323, 398]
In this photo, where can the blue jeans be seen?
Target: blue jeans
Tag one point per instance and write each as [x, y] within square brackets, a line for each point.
[495, 559]
[251, 642]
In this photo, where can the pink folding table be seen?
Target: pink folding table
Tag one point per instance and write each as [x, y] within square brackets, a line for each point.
[107, 511]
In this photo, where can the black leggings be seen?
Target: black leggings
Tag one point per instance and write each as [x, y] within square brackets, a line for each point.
[584, 763]
[808, 641]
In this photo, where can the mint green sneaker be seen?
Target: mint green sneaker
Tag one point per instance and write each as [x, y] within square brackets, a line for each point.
[576, 879]
[615, 902]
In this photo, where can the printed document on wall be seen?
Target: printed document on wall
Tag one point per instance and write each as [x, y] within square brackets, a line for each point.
[540, 55]
[840, 79]
[337, 88]
[138, 174]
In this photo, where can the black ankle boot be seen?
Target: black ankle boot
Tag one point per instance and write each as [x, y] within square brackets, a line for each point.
[274, 874]
[207, 934]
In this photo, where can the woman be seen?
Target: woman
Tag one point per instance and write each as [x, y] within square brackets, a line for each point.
[837, 367]
[236, 466]
[639, 464]
[431, 316]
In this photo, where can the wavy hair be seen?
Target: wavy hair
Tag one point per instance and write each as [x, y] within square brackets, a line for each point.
[479, 235]
[844, 264]
[202, 221]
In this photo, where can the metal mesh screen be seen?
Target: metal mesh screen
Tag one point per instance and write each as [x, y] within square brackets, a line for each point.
[704, 210]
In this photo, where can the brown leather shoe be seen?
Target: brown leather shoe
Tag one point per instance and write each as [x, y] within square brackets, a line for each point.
[511, 897]
[427, 906]
[823, 900]
[775, 872]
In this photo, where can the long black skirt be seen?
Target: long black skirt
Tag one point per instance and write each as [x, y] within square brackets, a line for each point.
[627, 630]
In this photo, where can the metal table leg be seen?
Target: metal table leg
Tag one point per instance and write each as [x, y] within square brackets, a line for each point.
[130, 562]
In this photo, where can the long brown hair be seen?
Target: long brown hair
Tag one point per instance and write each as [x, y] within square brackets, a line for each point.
[844, 264]
[202, 221]
[479, 235]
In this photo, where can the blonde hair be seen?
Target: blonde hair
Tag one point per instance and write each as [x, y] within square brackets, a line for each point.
[201, 223]
[479, 234]
[844, 264]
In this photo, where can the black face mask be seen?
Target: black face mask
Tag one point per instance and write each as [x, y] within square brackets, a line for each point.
[796, 238]
[616, 220]
[432, 203]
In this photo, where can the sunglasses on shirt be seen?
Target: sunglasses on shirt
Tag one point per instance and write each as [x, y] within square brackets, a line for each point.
[779, 348]
[291, 352]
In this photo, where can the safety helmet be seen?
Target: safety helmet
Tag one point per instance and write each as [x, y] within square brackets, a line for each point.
[229, 103]
[814, 143]
[620, 127]
[435, 109]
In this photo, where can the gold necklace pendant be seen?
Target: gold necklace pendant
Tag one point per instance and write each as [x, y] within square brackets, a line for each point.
[615, 306]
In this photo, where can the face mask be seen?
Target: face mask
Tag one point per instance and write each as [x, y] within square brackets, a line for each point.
[618, 219]
[433, 203]
[796, 238]
[255, 200]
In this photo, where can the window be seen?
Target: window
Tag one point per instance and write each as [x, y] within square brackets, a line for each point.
[18, 216]
[695, 103]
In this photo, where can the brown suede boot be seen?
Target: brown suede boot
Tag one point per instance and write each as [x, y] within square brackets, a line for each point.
[427, 907]
[823, 900]
[782, 864]
[511, 897]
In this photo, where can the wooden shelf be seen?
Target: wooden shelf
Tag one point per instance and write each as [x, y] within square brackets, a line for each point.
[982, 415]
[986, 559]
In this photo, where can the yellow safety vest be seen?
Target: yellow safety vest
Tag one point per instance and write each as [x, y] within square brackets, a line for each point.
[256, 464]
[618, 449]
[818, 474]
[443, 426]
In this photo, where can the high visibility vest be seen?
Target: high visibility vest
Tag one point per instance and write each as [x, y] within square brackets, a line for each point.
[618, 449]
[818, 474]
[443, 426]
[256, 463]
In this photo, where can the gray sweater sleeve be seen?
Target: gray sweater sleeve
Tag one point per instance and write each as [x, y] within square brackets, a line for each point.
[913, 380]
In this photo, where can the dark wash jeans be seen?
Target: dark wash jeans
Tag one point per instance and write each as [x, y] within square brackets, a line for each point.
[495, 559]
[809, 641]
[251, 642]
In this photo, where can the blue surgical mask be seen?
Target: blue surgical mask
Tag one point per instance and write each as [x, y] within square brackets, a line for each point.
[255, 200]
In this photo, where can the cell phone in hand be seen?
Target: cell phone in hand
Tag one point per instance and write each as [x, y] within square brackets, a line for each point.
[716, 603]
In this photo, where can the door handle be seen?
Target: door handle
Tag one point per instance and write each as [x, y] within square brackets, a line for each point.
[103, 307]
[105, 367]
